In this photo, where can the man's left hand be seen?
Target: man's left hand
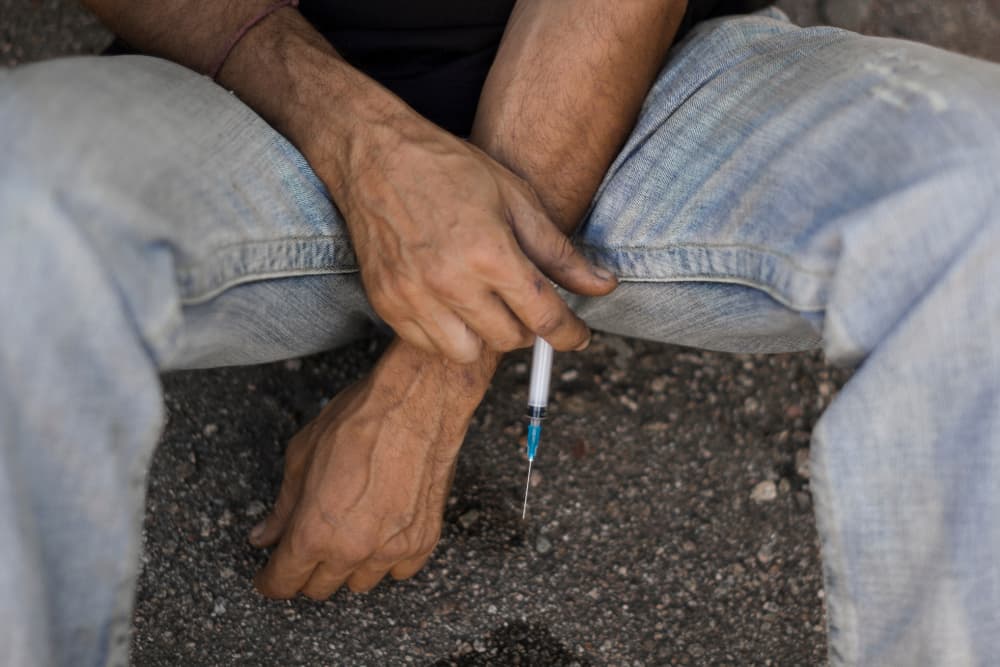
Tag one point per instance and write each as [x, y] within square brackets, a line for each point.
[365, 483]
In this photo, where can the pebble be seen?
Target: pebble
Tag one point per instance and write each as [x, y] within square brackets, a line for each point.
[803, 500]
[210, 430]
[543, 545]
[569, 375]
[219, 608]
[469, 519]
[255, 508]
[764, 492]
[659, 383]
[293, 365]
[628, 403]
[802, 462]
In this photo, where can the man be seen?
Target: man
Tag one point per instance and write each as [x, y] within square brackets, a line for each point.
[769, 188]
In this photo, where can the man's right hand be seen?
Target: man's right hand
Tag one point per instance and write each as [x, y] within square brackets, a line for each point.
[436, 223]
[455, 249]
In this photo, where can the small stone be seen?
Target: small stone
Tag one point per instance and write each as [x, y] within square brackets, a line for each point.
[802, 500]
[569, 375]
[543, 545]
[255, 508]
[210, 430]
[765, 554]
[469, 519]
[628, 403]
[594, 594]
[764, 492]
[784, 486]
[793, 411]
[520, 368]
[577, 405]
[226, 519]
[293, 365]
[659, 383]
[802, 462]
[219, 608]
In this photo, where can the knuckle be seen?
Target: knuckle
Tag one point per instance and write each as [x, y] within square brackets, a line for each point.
[549, 322]
[305, 543]
[484, 257]
[443, 279]
[511, 341]
[563, 252]
[393, 552]
[355, 549]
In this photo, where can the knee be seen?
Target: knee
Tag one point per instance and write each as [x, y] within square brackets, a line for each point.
[59, 116]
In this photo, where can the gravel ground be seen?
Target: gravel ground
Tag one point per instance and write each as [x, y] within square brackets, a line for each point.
[671, 522]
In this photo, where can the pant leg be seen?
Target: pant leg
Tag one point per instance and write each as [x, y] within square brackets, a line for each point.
[791, 187]
[148, 220]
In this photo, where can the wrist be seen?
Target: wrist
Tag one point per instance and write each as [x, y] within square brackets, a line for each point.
[333, 113]
[448, 388]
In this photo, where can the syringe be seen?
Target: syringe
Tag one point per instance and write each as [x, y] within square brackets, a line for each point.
[538, 399]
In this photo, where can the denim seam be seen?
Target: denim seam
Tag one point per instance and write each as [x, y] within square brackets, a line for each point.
[669, 266]
[240, 263]
[784, 257]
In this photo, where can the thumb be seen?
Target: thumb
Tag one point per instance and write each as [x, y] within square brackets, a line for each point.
[553, 253]
[270, 530]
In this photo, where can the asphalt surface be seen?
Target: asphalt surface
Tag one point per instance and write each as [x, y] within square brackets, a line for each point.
[671, 522]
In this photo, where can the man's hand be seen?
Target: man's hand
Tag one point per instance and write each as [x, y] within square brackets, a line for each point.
[365, 483]
[454, 249]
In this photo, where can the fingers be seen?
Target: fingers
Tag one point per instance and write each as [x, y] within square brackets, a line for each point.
[366, 577]
[285, 574]
[552, 252]
[537, 304]
[405, 569]
[414, 334]
[324, 582]
[269, 531]
[494, 322]
[444, 333]
[453, 337]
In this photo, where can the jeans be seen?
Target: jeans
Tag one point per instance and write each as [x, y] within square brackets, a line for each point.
[784, 188]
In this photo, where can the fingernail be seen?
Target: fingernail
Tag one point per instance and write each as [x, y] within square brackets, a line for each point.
[603, 273]
[257, 531]
[584, 346]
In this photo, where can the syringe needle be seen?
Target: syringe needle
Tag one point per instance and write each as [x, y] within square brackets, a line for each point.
[524, 510]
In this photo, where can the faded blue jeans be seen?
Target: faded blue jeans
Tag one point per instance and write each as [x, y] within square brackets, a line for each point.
[784, 189]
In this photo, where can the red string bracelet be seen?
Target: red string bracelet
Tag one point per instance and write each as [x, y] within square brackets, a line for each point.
[267, 11]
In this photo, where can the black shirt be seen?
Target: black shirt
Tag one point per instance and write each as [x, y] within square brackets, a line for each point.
[435, 54]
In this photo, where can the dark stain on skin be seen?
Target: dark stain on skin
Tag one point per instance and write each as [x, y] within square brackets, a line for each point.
[539, 285]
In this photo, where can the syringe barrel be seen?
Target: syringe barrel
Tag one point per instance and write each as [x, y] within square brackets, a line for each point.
[541, 376]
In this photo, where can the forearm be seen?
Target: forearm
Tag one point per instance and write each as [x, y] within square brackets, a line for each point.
[282, 68]
[565, 90]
